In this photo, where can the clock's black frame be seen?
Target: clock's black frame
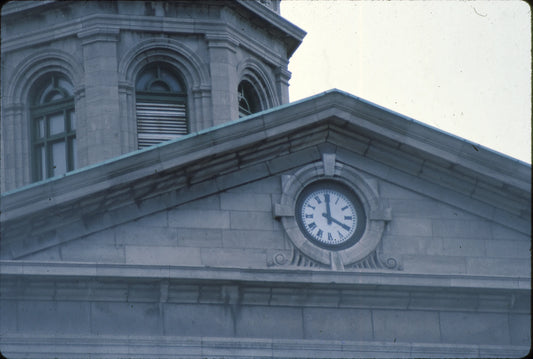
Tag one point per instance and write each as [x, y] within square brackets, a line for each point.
[350, 194]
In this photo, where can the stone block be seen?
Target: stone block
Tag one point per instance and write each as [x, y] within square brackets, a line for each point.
[212, 294]
[411, 244]
[236, 348]
[472, 229]
[499, 266]
[348, 141]
[254, 221]
[211, 238]
[53, 317]
[508, 248]
[394, 158]
[504, 351]
[255, 295]
[299, 158]
[245, 202]
[195, 218]
[269, 322]
[320, 297]
[183, 293]
[443, 300]
[410, 226]
[243, 175]
[72, 290]
[391, 191]
[377, 350]
[423, 350]
[144, 292]
[209, 202]
[153, 220]
[364, 298]
[8, 316]
[267, 185]
[135, 234]
[501, 232]
[406, 326]
[462, 247]
[434, 264]
[337, 324]
[520, 329]
[103, 290]
[179, 256]
[50, 254]
[125, 318]
[82, 250]
[288, 297]
[474, 328]
[202, 320]
[419, 208]
[229, 257]
[253, 239]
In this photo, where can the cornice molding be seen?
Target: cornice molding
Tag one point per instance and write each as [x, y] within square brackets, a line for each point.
[98, 34]
[106, 23]
[292, 31]
[224, 41]
[371, 279]
[255, 142]
[175, 347]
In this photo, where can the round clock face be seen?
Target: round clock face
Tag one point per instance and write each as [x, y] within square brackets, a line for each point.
[330, 215]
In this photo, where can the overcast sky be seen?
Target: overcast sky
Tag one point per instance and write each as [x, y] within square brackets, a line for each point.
[461, 66]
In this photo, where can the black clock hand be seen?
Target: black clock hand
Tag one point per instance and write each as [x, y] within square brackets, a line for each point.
[328, 210]
[331, 219]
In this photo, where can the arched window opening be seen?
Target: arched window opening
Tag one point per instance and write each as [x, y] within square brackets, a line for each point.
[249, 101]
[160, 105]
[53, 127]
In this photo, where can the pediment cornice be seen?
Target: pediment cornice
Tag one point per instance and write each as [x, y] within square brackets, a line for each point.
[364, 136]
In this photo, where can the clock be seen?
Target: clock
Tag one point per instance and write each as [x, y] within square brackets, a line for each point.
[330, 215]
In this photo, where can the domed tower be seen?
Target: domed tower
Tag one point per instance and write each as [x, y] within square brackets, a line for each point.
[106, 78]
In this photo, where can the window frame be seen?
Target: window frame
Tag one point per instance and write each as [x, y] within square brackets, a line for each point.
[42, 112]
[161, 97]
[250, 96]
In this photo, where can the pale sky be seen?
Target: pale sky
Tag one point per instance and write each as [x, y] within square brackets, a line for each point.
[461, 66]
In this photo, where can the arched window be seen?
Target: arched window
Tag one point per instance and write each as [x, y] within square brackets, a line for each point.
[161, 105]
[53, 127]
[249, 101]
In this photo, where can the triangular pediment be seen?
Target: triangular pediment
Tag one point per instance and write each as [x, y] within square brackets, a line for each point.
[363, 136]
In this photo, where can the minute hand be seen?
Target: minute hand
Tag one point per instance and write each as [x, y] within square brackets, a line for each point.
[329, 218]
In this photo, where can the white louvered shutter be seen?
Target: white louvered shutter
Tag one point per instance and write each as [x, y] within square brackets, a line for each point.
[158, 122]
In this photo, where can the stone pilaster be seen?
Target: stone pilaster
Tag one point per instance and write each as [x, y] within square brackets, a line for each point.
[101, 94]
[16, 162]
[222, 48]
[282, 84]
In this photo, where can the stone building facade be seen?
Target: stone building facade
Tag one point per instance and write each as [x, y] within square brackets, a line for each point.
[162, 199]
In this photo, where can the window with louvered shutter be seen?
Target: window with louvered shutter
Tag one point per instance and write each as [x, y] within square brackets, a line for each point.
[160, 106]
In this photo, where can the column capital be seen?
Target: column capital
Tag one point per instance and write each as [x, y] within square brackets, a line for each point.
[217, 40]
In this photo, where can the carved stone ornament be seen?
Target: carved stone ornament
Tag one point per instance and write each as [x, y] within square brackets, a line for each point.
[362, 252]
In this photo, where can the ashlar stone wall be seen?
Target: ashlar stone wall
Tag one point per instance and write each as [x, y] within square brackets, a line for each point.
[236, 228]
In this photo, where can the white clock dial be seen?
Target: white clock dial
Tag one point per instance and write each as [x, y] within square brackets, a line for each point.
[329, 215]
